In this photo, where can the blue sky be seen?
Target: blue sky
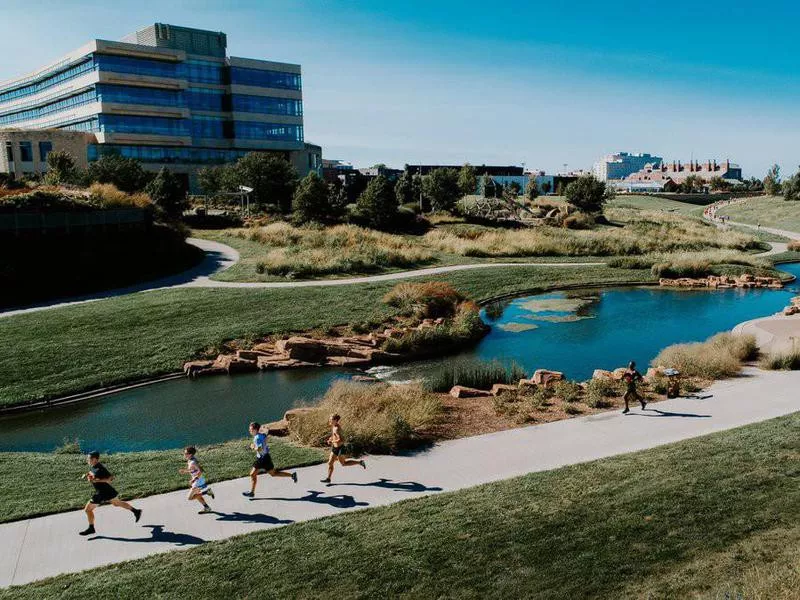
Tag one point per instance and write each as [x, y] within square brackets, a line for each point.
[545, 83]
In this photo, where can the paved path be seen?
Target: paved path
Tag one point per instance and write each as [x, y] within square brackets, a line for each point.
[777, 247]
[221, 256]
[39, 548]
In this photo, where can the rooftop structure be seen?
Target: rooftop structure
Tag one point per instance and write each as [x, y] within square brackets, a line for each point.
[622, 164]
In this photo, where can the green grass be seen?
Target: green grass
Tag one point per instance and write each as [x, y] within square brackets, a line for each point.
[38, 483]
[702, 518]
[656, 203]
[769, 211]
[65, 350]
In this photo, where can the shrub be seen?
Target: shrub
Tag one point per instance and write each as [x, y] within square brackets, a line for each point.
[377, 204]
[108, 196]
[430, 299]
[781, 361]
[578, 221]
[167, 193]
[718, 357]
[794, 246]
[682, 268]
[568, 391]
[378, 418]
[598, 392]
[124, 173]
[473, 373]
[588, 194]
[311, 200]
[69, 446]
[630, 262]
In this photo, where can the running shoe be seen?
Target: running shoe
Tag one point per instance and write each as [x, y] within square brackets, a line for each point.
[137, 514]
[326, 480]
[210, 492]
[248, 494]
[88, 531]
[363, 464]
[294, 477]
[205, 510]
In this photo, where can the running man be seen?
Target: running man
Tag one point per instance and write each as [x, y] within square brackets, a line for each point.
[631, 377]
[336, 442]
[263, 462]
[101, 479]
[198, 486]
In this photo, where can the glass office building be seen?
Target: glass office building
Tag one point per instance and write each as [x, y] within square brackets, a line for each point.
[166, 95]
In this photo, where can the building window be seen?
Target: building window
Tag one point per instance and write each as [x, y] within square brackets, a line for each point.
[9, 152]
[268, 131]
[203, 71]
[124, 94]
[267, 105]
[272, 79]
[207, 99]
[26, 152]
[45, 148]
[146, 125]
[211, 127]
[48, 80]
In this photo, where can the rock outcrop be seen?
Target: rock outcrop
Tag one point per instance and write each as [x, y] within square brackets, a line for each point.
[745, 281]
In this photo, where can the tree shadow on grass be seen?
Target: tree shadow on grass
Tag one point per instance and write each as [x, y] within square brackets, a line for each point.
[397, 486]
[336, 501]
[239, 517]
[157, 534]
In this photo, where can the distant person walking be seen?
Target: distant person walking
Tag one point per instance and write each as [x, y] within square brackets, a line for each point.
[104, 493]
[198, 487]
[263, 462]
[336, 442]
[631, 377]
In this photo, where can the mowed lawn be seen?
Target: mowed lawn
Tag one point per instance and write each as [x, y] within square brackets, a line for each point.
[59, 351]
[712, 517]
[769, 211]
[38, 483]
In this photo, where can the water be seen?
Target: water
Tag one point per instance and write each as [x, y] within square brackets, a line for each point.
[575, 332]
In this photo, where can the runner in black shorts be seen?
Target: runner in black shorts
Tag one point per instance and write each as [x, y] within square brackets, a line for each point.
[336, 441]
[263, 462]
[104, 493]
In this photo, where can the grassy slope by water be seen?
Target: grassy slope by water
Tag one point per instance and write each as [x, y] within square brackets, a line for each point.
[65, 350]
[770, 211]
[713, 517]
[37, 483]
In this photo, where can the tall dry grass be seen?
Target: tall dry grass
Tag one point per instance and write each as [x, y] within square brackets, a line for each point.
[425, 299]
[308, 251]
[376, 417]
[718, 357]
[108, 196]
[781, 361]
[643, 232]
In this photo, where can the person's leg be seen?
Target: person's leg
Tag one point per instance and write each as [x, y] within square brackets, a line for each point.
[626, 397]
[253, 480]
[137, 513]
[196, 494]
[350, 462]
[89, 510]
[276, 473]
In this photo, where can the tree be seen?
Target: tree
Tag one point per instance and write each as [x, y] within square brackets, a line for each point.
[546, 187]
[167, 193]
[532, 189]
[311, 200]
[61, 168]
[404, 189]
[125, 173]
[441, 187]
[378, 203]
[588, 194]
[272, 178]
[467, 180]
[772, 181]
[791, 187]
[514, 188]
[718, 184]
[489, 187]
[692, 184]
[210, 180]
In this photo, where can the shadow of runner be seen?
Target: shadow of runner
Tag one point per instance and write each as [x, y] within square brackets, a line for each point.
[157, 534]
[336, 501]
[398, 486]
[664, 413]
[251, 518]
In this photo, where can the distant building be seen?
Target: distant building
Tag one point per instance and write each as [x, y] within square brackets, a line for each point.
[622, 164]
[668, 176]
[493, 170]
[389, 173]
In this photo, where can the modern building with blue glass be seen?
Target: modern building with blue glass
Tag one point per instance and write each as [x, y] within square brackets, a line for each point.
[165, 95]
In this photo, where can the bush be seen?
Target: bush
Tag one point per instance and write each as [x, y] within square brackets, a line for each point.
[578, 221]
[378, 418]
[717, 358]
[588, 194]
[794, 246]
[630, 262]
[477, 374]
[377, 204]
[124, 173]
[107, 195]
[465, 326]
[598, 392]
[781, 361]
[167, 193]
[69, 446]
[311, 200]
[568, 391]
[430, 299]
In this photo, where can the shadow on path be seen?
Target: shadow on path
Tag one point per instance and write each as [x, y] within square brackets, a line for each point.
[397, 486]
[157, 534]
[251, 518]
[664, 413]
[336, 501]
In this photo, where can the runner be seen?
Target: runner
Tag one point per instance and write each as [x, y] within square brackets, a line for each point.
[198, 486]
[101, 479]
[263, 462]
[630, 377]
[336, 442]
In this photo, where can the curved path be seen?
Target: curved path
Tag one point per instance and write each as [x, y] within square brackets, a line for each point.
[37, 548]
[777, 247]
[221, 256]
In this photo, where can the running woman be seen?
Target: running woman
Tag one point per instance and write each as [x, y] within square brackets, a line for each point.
[101, 479]
[631, 377]
[198, 486]
[336, 442]
[263, 462]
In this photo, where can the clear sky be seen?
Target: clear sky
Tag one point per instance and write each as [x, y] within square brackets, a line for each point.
[544, 83]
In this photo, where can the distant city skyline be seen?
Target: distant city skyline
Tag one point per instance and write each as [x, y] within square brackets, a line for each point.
[450, 82]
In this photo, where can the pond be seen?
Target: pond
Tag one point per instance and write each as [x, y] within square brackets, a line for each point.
[575, 332]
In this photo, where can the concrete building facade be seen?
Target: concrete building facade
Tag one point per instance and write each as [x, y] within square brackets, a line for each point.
[24, 152]
[166, 95]
[622, 164]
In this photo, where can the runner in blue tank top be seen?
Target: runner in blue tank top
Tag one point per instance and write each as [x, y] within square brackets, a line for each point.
[198, 486]
[263, 462]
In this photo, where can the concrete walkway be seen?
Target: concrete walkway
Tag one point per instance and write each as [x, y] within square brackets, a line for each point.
[38, 548]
